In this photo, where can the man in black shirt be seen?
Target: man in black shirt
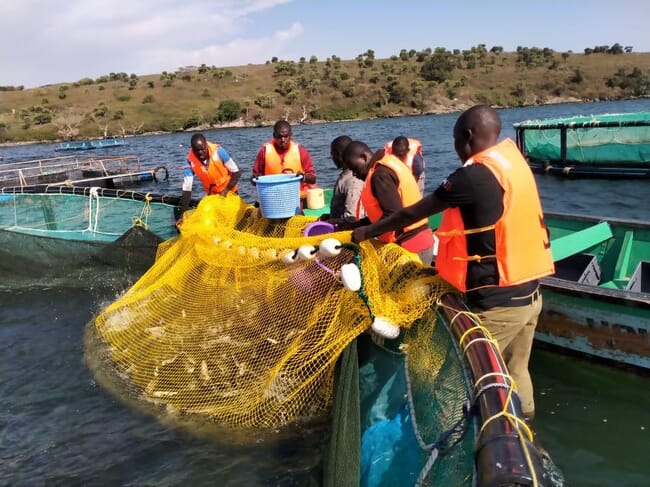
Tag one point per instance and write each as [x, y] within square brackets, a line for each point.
[493, 244]
[387, 189]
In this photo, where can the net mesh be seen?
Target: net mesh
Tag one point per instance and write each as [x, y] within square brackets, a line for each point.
[220, 326]
[58, 231]
[624, 138]
[428, 390]
[89, 214]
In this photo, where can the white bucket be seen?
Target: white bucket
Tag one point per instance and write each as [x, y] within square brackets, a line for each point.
[315, 199]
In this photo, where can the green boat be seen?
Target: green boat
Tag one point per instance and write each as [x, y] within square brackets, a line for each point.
[603, 146]
[598, 301]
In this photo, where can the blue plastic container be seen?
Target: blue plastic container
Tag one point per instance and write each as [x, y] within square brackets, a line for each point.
[278, 195]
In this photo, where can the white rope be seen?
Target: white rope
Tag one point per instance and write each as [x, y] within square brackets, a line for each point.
[15, 211]
[427, 467]
[411, 404]
[94, 194]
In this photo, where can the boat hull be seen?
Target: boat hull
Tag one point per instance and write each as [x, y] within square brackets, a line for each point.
[598, 301]
[609, 324]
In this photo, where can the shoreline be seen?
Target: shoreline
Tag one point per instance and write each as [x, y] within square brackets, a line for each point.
[240, 123]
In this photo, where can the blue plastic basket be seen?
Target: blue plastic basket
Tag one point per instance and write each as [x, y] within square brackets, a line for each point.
[278, 195]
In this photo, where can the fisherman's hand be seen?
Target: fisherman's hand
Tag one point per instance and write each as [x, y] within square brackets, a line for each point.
[359, 234]
[309, 178]
[340, 224]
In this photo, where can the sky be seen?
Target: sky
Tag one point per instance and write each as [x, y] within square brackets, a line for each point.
[47, 41]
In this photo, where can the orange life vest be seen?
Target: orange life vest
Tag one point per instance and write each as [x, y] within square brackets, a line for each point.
[289, 162]
[415, 147]
[215, 176]
[407, 188]
[522, 241]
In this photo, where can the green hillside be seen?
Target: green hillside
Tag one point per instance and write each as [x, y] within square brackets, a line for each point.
[311, 90]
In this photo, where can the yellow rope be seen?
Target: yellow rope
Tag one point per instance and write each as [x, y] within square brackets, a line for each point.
[511, 417]
[475, 257]
[473, 329]
[142, 220]
[470, 231]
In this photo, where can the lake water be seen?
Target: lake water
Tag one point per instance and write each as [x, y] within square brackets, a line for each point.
[57, 427]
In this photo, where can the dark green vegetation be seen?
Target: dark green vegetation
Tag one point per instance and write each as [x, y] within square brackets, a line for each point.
[412, 82]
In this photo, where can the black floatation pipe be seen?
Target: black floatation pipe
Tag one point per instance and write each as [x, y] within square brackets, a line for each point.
[504, 452]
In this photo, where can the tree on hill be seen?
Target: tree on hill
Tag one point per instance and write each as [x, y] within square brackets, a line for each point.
[439, 66]
[228, 111]
[425, 81]
[67, 123]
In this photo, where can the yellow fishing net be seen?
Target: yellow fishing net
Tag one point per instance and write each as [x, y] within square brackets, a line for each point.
[225, 326]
